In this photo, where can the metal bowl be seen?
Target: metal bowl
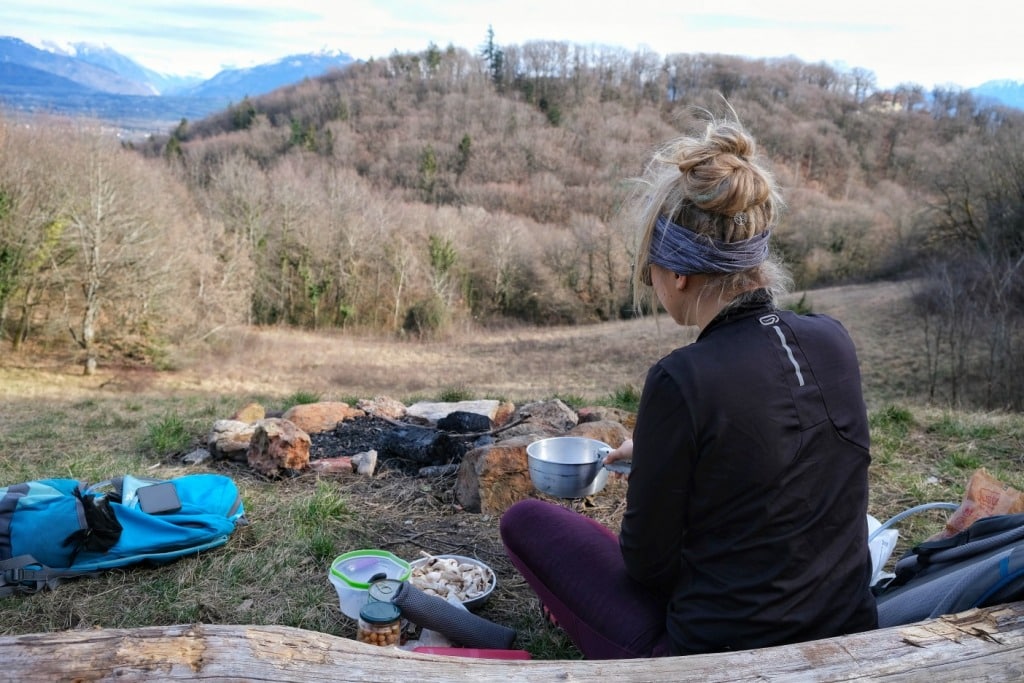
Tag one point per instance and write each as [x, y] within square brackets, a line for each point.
[475, 601]
[568, 466]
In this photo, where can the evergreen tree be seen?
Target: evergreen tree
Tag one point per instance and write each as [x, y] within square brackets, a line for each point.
[495, 58]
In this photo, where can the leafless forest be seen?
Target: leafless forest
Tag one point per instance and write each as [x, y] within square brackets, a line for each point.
[430, 193]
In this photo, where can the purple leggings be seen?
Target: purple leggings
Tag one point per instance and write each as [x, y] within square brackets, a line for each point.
[575, 567]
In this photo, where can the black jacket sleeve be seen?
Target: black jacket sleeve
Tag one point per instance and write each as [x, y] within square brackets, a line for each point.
[654, 523]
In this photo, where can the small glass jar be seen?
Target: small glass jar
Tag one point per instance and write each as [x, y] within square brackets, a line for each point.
[380, 623]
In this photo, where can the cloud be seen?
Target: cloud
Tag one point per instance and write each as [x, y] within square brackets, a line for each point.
[899, 40]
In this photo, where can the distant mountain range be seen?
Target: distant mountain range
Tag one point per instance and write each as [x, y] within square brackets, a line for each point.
[87, 80]
[1010, 93]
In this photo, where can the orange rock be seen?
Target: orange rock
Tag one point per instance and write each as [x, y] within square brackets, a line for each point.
[609, 431]
[324, 416]
[278, 445]
[503, 413]
[493, 477]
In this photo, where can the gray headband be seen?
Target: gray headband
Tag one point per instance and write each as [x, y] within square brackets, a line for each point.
[684, 252]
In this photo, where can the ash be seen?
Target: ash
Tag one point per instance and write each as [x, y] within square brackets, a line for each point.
[401, 448]
[350, 437]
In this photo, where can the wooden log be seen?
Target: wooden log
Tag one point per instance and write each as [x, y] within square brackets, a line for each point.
[976, 645]
[422, 445]
[341, 463]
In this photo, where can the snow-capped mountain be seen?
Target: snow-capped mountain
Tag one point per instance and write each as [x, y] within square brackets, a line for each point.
[98, 81]
[108, 58]
[234, 84]
[14, 51]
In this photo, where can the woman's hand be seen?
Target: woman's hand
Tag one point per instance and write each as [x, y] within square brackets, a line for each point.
[623, 453]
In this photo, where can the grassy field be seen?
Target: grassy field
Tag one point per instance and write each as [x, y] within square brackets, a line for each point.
[55, 422]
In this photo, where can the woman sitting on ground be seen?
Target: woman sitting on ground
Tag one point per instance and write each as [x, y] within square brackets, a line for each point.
[746, 505]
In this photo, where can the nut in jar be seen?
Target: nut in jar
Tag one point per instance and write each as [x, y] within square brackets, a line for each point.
[380, 623]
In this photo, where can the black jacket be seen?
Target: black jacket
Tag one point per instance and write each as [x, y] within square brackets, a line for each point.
[748, 495]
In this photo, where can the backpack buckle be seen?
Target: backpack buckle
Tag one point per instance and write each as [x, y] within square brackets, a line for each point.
[15, 575]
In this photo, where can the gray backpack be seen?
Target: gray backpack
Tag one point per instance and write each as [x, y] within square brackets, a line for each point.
[981, 566]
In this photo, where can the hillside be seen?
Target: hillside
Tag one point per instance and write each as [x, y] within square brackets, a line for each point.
[429, 195]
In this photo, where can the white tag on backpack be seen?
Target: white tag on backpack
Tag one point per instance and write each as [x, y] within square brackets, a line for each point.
[881, 547]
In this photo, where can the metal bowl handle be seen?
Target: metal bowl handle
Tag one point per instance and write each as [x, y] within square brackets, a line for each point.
[620, 466]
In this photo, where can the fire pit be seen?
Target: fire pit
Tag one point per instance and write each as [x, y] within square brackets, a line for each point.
[402, 448]
[478, 453]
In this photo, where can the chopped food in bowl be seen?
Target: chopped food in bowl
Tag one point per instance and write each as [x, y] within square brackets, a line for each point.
[454, 577]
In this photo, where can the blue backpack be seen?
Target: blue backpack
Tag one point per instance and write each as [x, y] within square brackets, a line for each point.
[51, 529]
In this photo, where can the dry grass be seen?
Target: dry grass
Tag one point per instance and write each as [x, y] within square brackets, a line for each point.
[56, 422]
[586, 361]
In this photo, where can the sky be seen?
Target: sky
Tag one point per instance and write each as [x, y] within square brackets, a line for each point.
[929, 43]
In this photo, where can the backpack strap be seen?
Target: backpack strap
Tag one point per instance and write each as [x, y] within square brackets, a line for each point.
[980, 537]
[24, 574]
[986, 527]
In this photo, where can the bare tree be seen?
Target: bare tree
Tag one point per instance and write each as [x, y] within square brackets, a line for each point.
[119, 230]
[974, 237]
[32, 222]
[238, 197]
[864, 83]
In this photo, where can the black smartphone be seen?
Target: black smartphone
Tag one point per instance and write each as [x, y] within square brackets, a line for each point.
[157, 498]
